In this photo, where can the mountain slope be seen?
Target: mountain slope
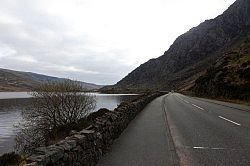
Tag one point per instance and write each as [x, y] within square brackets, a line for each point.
[11, 80]
[229, 77]
[192, 52]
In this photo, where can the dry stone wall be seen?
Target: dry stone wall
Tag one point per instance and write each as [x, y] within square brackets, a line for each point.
[87, 146]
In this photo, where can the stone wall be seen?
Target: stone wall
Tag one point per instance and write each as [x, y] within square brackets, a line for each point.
[87, 146]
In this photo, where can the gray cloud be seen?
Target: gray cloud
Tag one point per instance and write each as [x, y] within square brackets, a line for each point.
[32, 40]
[90, 40]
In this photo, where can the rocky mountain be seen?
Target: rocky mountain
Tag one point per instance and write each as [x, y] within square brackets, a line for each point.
[229, 77]
[191, 53]
[11, 80]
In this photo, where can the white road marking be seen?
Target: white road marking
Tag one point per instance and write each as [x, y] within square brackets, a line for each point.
[189, 102]
[198, 106]
[200, 147]
[229, 120]
[183, 99]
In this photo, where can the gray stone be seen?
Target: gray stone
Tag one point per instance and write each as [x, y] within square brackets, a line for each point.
[72, 132]
[71, 143]
[65, 157]
[39, 159]
[64, 145]
[79, 138]
[40, 150]
[86, 131]
[32, 164]
[55, 154]
[87, 146]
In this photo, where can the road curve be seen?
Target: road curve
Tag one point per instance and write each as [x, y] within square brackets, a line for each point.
[207, 132]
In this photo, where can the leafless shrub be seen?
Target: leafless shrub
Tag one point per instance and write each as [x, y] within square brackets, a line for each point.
[55, 104]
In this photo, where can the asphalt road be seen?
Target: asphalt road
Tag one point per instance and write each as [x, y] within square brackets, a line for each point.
[145, 142]
[209, 133]
[179, 130]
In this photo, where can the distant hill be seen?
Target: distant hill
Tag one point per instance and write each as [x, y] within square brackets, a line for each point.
[229, 77]
[11, 80]
[191, 53]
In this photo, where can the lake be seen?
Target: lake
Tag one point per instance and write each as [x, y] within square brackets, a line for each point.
[12, 103]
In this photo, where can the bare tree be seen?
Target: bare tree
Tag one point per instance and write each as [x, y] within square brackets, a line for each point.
[54, 104]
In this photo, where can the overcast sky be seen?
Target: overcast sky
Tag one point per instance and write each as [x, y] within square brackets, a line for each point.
[98, 41]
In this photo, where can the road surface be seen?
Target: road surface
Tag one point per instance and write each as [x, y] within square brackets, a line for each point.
[145, 142]
[179, 130]
[207, 132]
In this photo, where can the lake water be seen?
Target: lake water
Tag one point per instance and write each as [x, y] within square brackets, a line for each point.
[12, 103]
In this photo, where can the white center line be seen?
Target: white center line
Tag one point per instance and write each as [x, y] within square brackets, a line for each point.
[229, 120]
[186, 101]
[200, 147]
[198, 106]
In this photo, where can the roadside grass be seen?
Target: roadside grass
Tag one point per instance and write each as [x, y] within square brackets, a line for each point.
[234, 101]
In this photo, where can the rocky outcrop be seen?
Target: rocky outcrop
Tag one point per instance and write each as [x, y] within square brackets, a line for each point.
[192, 52]
[87, 146]
[229, 77]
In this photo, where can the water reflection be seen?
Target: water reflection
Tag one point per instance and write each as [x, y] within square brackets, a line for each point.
[110, 101]
[14, 95]
[10, 113]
